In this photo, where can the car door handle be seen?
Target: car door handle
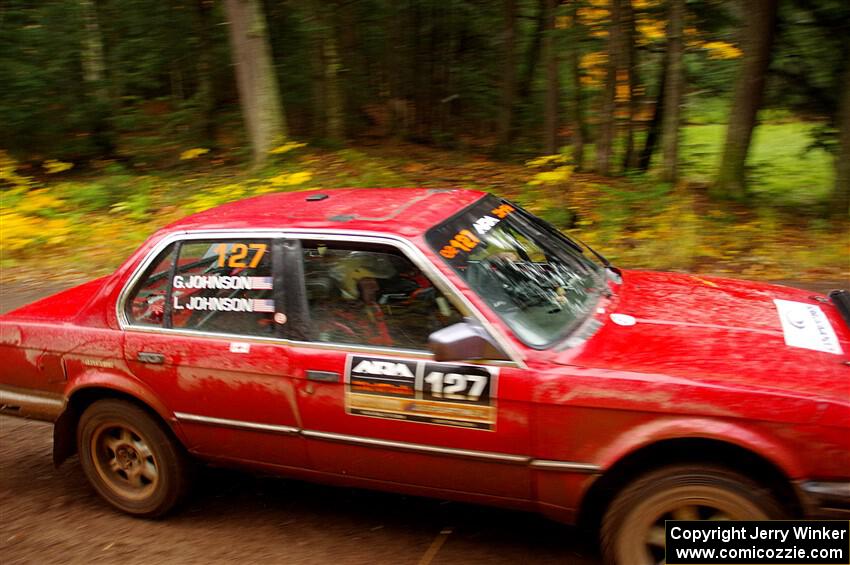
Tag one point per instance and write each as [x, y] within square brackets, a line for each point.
[153, 358]
[323, 376]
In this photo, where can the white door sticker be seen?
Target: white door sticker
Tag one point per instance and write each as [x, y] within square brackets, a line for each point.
[806, 326]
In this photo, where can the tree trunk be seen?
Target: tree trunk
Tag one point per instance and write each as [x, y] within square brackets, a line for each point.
[654, 128]
[630, 62]
[418, 80]
[508, 74]
[93, 64]
[578, 126]
[206, 90]
[532, 54]
[335, 125]
[673, 90]
[550, 118]
[328, 114]
[749, 88]
[255, 76]
[94, 75]
[317, 76]
[841, 192]
[360, 84]
[608, 115]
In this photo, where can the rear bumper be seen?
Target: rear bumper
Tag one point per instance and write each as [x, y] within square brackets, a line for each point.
[28, 403]
[825, 499]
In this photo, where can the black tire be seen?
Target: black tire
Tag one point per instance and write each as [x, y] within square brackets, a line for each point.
[130, 458]
[633, 525]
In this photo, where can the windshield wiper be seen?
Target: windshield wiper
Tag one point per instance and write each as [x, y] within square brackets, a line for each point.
[613, 272]
[575, 243]
[605, 262]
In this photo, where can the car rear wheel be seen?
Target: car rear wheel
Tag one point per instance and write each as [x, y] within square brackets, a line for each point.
[131, 459]
[633, 526]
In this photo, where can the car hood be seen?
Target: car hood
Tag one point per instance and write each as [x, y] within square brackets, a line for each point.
[720, 331]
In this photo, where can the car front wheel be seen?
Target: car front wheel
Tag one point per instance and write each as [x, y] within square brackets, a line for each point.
[130, 458]
[633, 528]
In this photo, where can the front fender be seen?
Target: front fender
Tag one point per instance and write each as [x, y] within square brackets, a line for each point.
[747, 435]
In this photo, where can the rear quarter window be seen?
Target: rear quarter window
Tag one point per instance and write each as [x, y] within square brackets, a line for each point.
[217, 286]
[145, 305]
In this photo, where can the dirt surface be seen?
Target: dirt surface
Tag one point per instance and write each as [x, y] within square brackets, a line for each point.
[51, 515]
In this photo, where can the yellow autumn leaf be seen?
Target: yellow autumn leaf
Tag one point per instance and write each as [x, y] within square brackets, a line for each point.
[286, 147]
[291, 179]
[551, 177]
[56, 230]
[594, 59]
[37, 201]
[544, 160]
[16, 231]
[193, 153]
[721, 50]
[645, 4]
[622, 92]
[651, 30]
[53, 166]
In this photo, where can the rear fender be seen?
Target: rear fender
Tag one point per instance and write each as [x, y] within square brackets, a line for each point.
[96, 383]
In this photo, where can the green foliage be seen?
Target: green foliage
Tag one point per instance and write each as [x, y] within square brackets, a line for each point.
[810, 52]
[41, 104]
[97, 218]
[161, 133]
[704, 110]
[785, 170]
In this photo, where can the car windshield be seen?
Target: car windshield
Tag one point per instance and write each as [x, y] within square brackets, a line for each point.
[534, 278]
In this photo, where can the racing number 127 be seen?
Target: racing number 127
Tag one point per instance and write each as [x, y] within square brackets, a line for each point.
[456, 386]
[238, 253]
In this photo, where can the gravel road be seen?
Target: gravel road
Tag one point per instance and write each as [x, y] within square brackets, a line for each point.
[52, 516]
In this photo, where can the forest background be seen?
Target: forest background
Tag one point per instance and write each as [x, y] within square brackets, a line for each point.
[702, 135]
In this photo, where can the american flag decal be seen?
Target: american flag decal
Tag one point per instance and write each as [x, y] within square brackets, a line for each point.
[260, 283]
[263, 304]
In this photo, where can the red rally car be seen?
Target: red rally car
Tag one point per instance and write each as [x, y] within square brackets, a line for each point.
[444, 343]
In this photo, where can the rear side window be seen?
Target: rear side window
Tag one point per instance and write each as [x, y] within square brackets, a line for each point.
[219, 286]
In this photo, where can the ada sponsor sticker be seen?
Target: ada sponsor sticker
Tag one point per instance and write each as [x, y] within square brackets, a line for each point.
[806, 326]
[394, 377]
[421, 391]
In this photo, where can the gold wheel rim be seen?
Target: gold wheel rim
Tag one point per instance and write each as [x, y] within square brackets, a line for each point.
[643, 539]
[124, 461]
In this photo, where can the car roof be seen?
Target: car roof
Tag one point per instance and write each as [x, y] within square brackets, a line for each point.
[407, 212]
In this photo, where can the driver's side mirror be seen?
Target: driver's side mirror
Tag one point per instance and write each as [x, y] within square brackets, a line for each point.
[464, 341]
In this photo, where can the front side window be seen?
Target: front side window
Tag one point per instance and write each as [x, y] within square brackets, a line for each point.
[220, 286]
[364, 294]
[534, 278]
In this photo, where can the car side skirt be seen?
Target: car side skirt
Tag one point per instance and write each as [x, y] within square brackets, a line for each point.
[538, 464]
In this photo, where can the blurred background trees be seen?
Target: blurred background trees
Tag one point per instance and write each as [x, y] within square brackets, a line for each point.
[622, 86]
